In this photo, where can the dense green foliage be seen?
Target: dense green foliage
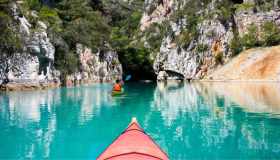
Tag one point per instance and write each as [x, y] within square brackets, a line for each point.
[267, 35]
[184, 38]
[202, 48]
[250, 39]
[235, 45]
[82, 24]
[72, 22]
[9, 39]
[270, 34]
[125, 37]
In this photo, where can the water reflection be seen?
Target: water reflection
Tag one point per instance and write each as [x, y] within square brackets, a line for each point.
[211, 116]
[198, 120]
[254, 97]
[174, 97]
[30, 120]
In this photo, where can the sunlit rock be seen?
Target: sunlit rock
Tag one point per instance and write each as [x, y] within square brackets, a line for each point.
[260, 64]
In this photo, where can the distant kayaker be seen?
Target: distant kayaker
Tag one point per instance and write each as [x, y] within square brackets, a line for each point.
[117, 86]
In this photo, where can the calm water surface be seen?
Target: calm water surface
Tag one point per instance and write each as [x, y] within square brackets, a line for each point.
[189, 121]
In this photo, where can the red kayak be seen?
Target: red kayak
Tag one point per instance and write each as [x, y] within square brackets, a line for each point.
[133, 144]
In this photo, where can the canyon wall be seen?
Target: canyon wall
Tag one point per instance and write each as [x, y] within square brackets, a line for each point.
[33, 67]
[210, 46]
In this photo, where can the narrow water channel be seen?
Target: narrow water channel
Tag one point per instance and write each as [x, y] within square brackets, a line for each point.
[188, 121]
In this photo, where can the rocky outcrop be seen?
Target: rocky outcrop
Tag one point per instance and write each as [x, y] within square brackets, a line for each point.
[261, 64]
[193, 59]
[193, 62]
[95, 67]
[33, 67]
[20, 71]
[245, 19]
[156, 12]
[199, 55]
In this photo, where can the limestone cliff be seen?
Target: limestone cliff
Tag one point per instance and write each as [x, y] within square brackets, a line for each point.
[95, 67]
[33, 67]
[188, 54]
[175, 39]
[261, 64]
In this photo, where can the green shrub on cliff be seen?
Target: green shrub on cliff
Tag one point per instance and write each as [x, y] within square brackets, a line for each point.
[51, 16]
[202, 48]
[82, 24]
[154, 36]
[33, 4]
[183, 39]
[244, 6]
[251, 39]
[66, 61]
[72, 22]
[224, 11]
[219, 58]
[124, 29]
[270, 34]
[10, 40]
[236, 45]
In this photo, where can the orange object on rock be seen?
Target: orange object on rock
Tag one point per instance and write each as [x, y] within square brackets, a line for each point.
[133, 144]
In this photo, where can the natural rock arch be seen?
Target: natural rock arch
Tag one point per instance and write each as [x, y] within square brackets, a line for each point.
[237, 1]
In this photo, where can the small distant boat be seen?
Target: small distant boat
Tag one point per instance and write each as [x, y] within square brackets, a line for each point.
[133, 144]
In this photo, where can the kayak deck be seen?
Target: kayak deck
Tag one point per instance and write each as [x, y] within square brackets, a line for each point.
[133, 144]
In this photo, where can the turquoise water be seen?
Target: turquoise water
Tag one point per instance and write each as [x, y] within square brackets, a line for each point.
[189, 121]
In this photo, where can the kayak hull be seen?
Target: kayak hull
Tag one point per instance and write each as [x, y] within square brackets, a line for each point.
[133, 156]
[133, 144]
[117, 93]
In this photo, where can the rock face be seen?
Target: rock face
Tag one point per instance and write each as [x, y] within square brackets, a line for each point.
[190, 62]
[261, 64]
[243, 19]
[197, 58]
[33, 67]
[96, 67]
[157, 11]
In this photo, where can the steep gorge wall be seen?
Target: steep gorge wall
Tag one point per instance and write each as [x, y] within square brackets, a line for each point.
[211, 46]
[190, 43]
[33, 67]
[95, 67]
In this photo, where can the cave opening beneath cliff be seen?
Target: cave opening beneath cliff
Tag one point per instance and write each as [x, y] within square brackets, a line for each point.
[237, 1]
[139, 73]
[137, 63]
[174, 75]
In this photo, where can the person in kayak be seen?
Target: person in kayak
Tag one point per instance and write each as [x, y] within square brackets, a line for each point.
[117, 86]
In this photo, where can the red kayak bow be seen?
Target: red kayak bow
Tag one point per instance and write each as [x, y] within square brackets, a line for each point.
[133, 144]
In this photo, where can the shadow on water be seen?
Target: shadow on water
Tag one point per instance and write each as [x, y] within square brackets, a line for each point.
[189, 121]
